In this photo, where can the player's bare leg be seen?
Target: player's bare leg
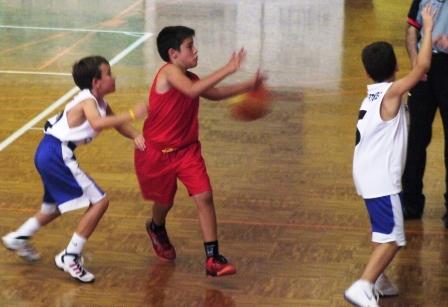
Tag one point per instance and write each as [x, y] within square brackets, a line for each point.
[215, 264]
[207, 215]
[19, 240]
[70, 260]
[91, 218]
[158, 234]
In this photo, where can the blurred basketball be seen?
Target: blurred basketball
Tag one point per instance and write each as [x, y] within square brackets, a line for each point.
[251, 105]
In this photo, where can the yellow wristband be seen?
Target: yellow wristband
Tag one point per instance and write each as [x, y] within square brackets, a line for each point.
[132, 114]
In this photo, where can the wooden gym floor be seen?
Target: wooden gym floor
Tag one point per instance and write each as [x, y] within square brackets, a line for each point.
[288, 214]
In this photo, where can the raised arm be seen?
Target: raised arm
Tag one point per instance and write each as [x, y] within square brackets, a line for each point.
[176, 77]
[392, 100]
[98, 123]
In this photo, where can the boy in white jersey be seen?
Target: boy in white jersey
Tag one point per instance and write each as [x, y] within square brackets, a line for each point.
[66, 186]
[380, 152]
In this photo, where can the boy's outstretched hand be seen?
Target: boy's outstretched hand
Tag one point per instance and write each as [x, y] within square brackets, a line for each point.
[140, 111]
[236, 60]
[428, 14]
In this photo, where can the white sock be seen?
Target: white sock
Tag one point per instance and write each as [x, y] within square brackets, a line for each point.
[28, 228]
[76, 244]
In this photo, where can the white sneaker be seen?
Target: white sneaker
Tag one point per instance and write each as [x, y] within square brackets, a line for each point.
[362, 293]
[385, 287]
[59, 260]
[21, 245]
[74, 265]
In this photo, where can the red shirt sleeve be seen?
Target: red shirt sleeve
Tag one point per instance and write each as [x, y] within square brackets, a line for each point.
[412, 15]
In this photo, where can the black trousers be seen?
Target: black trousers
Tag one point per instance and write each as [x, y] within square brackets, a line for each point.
[425, 98]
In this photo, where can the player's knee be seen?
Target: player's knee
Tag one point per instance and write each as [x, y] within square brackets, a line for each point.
[163, 206]
[204, 199]
[207, 197]
[106, 203]
[103, 204]
[48, 209]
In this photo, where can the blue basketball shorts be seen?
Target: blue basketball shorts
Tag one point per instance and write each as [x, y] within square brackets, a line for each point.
[386, 217]
[65, 184]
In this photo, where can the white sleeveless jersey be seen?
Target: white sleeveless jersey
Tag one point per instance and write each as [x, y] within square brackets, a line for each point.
[82, 134]
[380, 150]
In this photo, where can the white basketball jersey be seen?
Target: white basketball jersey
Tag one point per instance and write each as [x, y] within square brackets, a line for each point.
[380, 150]
[81, 134]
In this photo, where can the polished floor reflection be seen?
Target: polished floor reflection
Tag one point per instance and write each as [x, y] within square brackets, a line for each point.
[288, 214]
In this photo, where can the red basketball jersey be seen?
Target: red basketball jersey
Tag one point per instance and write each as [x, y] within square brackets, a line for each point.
[173, 117]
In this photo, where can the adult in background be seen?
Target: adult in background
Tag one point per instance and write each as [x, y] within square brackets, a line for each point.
[428, 95]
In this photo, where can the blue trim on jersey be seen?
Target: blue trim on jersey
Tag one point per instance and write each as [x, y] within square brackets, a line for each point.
[381, 214]
[60, 185]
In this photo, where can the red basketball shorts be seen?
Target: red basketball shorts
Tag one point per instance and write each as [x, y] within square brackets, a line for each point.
[157, 172]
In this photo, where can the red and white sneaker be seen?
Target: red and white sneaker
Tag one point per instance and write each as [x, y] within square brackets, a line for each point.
[74, 265]
[161, 243]
[218, 266]
[21, 246]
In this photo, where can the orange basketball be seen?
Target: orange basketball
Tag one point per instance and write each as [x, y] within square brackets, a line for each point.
[251, 105]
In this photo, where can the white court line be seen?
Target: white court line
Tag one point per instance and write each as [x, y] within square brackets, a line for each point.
[67, 96]
[21, 72]
[74, 30]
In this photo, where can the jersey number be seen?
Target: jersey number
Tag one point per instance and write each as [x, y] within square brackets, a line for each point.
[361, 115]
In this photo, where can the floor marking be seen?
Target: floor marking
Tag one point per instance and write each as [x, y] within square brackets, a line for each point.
[45, 113]
[21, 72]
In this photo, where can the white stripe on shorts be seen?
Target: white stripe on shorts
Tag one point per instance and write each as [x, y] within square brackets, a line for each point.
[91, 193]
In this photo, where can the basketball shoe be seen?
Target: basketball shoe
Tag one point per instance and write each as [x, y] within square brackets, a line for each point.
[362, 293]
[218, 266]
[21, 245]
[74, 265]
[385, 287]
[161, 243]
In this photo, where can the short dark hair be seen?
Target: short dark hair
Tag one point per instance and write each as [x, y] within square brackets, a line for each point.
[172, 37]
[379, 61]
[87, 69]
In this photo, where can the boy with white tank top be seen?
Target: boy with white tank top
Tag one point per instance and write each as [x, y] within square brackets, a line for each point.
[379, 157]
[66, 186]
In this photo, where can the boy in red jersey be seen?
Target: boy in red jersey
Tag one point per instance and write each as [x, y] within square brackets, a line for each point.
[173, 150]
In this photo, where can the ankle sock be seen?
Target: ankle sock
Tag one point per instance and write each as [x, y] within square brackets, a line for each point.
[156, 228]
[211, 249]
[29, 228]
[76, 244]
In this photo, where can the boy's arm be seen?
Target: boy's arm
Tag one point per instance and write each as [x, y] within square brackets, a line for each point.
[223, 92]
[226, 91]
[127, 130]
[98, 123]
[176, 77]
[392, 100]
